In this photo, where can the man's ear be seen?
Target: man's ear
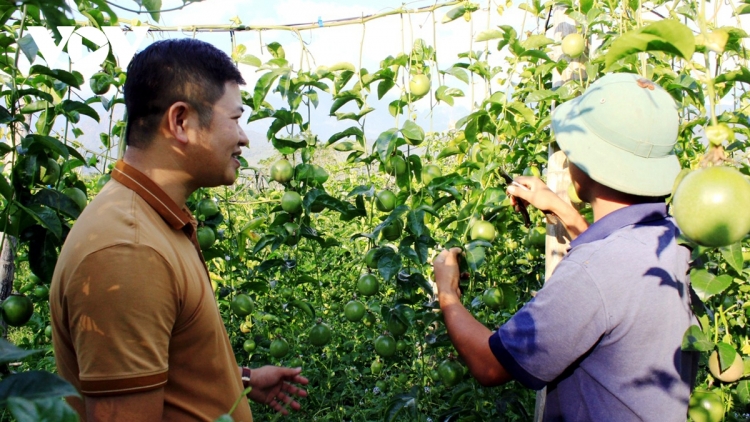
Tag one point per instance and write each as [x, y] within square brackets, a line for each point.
[178, 121]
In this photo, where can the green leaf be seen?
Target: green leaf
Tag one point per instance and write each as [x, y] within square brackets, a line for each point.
[43, 253]
[389, 264]
[153, 7]
[743, 391]
[536, 41]
[11, 353]
[50, 409]
[475, 257]
[733, 255]
[34, 385]
[726, 355]
[249, 60]
[58, 201]
[5, 189]
[386, 143]
[707, 284]
[34, 143]
[440, 95]
[453, 14]
[490, 34]
[695, 340]
[346, 146]
[537, 54]
[457, 72]
[667, 35]
[29, 47]
[276, 50]
[525, 112]
[403, 402]
[384, 86]
[264, 85]
[540, 95]
[586, 5]
[304, 307]
[412, 131]
[5, 116]
[77, 106]
[61, 75]
[344, 97]
[44, 216]
[741, 75]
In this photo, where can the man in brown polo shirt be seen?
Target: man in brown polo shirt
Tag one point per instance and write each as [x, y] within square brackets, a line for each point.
[135, 325]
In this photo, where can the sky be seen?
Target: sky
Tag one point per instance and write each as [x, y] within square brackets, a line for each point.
[373, 41]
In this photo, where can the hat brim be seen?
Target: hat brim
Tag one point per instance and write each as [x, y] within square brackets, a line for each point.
[608, 164]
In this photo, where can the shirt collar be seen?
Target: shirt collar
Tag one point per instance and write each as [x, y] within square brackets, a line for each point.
[147, 189]
[630, 215]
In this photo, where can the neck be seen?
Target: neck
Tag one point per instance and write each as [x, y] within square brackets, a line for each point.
[605, 200]
[602, 207]
[167, 174]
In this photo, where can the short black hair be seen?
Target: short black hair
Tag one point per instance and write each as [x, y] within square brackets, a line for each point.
[169, 71]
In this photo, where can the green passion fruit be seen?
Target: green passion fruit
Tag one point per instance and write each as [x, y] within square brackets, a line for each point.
[291, 202]
[242, 305]
[483, 230]
[419, 85]
[367, 285]
[573, 45]
[282, 171]
[17, 310]
[710, 206]
[385, 201]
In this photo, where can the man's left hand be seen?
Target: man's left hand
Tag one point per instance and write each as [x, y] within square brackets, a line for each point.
[272, 385]
[445, 267]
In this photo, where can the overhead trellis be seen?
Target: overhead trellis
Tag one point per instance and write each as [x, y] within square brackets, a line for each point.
[237, 26]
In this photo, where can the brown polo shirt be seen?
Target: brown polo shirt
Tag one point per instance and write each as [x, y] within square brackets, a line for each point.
[132, 306]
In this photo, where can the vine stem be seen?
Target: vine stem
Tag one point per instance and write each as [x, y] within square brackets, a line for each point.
[487, 82]
[708, 78]
[471, 54]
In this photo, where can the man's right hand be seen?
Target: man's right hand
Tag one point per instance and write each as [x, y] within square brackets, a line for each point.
[536, 193]
[540, 196]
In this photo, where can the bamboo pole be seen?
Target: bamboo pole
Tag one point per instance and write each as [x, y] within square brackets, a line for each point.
[558, 177]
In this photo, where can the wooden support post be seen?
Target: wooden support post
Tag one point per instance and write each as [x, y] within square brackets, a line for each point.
[558, 177]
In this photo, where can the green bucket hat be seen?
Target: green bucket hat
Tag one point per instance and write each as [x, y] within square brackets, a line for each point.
[622, 132]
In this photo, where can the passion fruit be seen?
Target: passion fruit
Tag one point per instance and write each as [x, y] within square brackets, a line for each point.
[710, 206]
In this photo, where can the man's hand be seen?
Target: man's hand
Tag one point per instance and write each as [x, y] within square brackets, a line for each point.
[445, 267]
[540, 196]
[272, 386]
[536, 193]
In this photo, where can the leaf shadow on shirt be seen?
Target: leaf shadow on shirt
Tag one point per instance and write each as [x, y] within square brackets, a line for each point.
[667, 279]
[666, 381]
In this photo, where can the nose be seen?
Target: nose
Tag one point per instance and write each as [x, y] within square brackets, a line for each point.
[244, 141]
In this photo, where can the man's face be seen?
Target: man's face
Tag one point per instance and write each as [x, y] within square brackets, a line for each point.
[219, 144]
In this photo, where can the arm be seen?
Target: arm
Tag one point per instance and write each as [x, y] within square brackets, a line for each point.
[146, 406]
[541, 197]
[119, 381]
[469, 336]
